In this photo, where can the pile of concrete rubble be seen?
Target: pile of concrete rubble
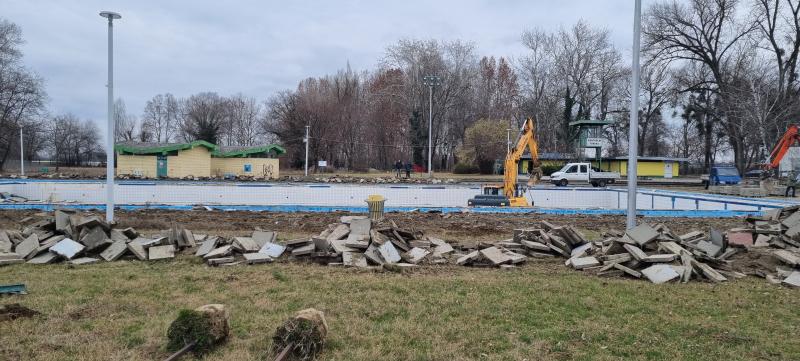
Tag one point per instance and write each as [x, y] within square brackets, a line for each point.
[768, 247]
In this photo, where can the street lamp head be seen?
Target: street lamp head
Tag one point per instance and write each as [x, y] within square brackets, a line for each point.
[110, 15]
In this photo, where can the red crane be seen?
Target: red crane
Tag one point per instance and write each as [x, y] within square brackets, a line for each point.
[789, 138]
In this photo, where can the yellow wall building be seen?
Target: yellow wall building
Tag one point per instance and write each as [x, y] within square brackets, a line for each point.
[662, 167]
[196, 159]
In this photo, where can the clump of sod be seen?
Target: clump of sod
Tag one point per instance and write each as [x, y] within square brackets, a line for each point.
[305, 338]
[190, 326]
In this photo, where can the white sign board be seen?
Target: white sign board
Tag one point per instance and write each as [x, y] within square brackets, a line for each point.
[322, 163]
[594, 142]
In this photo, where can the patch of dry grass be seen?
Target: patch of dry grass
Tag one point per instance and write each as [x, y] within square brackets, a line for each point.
[121, 311]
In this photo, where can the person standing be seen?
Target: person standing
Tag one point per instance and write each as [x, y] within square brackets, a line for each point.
[408, 169]
[398, 166]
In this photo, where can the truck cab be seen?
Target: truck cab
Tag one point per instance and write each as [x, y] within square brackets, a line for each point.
[723, 174]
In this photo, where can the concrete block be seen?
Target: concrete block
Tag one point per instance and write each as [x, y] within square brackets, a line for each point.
[10, 258]
[627, 270]
[114, 251]
[389, 253]
[514, 257]
[147, 242]
[762, 241]
[91, 222]
[187, 238]
[787, 257]
[256, 258]
[161, 252]
[660, 273]
[27, 248]
[130, 233]
[717, 238]
[321, 244]
[415, 255]
[671, 247]
[356, 243]
[219, 252]
[137, 250]
[272, 250]
[792, 220]
[580, 250]
[95, 238]
[469, 257]
[63, 224]
[373, 255]
[495, 255]
[642, 234]
[6, 245]
[84, 260]
[339, 246]
[740, 239]
[67, 248]
[207, 246]
[117, 235]
[536, 246]
[354, 259]
[709, 272]
[660, 258]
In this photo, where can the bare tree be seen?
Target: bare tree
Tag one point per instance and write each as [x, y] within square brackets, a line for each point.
[204, 115]
[124, 123]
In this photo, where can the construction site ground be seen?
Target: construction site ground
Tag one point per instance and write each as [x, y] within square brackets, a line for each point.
[539, 311]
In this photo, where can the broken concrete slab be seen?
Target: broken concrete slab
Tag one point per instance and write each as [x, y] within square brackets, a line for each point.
[660, 258]
[710, 249]
[257, 258]
[356, 243]
[373, 255]
[793, 280]
[207, 246]
[147, 242]
[186, 238]
[671, 247]
[339, 246]
[341, 231]
[584, 262]
[354, 259]
[580, 250]
[660, 273]
[95, 238]
[442, 249]
[219, 260]
[627, 270]
[536, 246]
[762, 241]
[6, 245]
[137, 251]
[415, 255]
[389, 253]
[91, 222]
[117, 235]
[27, 249]
[304, 250]
[272, 250]
[321, 244]
[84, 260]
[10, 258]
[360, 226]
[219, 252]
[245, 244]
[114, 251]
[67, 248]
[636, 252]
[161, 252]
[495, 255]
[787, 257]
[262, 237]
[44, 258]
[642, 234]
[709, 272]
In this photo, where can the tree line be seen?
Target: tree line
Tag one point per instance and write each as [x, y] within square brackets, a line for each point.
[719, 80]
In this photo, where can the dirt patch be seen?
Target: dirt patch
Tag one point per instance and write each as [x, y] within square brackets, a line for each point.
[14, 311]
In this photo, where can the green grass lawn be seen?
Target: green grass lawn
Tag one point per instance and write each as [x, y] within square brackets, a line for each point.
[542, 311]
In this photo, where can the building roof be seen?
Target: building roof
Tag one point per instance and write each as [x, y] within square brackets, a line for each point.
[160, 148]
[242, 151]
[216, 151]
[659, 159]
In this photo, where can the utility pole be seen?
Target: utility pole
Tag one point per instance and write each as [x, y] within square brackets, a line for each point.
[633, 130]
[431, 81]
[110, 134]
[21, 155]
[306, 141]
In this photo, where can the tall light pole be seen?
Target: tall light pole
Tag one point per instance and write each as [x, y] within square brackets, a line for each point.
[306, 141]
[633, 130]
[110, 134]
[21, 154]
[431, 81]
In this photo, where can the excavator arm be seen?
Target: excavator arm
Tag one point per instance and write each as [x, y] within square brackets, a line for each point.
[526, 141]
[791, 136]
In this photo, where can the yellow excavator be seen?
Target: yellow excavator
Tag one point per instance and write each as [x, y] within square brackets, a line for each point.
[509, 193]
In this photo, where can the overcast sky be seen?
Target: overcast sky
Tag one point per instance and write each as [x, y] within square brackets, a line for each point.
[260, 47]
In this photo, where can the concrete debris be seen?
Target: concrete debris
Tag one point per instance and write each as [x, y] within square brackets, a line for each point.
[84, 260]
[161, 252]
[660, 273]
[67, 248]
[257, 258]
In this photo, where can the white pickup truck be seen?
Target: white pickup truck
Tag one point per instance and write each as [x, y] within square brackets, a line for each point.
[582, 172]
